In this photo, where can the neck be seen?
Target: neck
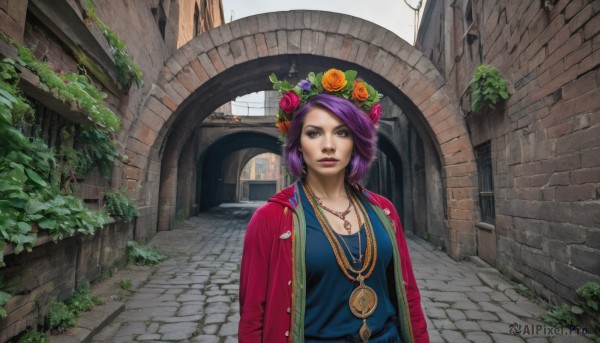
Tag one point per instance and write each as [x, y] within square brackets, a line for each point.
[327, 188]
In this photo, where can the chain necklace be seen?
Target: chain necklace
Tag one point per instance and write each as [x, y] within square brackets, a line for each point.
[341, 237]
[363, 299]
[341, 214]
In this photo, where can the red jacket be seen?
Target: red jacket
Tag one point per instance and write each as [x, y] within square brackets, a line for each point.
[272, 282]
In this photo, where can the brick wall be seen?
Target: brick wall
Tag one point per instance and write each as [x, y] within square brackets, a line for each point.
[55, 269]
[545, 140]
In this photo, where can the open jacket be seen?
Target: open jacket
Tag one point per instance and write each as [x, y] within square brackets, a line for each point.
[273, 273]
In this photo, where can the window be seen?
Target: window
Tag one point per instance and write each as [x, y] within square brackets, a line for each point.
[262, 166]
[483, 156]
[160, 17]
[246, 171]
[196, 20]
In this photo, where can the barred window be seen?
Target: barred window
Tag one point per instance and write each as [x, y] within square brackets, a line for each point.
[486, 187]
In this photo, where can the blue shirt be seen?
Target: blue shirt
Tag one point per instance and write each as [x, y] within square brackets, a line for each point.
[328, 290]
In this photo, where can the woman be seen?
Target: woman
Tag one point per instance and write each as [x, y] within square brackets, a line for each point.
[326, 260]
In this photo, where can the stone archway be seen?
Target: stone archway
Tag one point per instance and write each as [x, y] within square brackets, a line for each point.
[234, 59]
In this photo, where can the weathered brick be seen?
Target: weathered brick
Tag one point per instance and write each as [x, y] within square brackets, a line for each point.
[575, 192]
[560, 129]
[563, 163]
[573, 7]
[589, 63]
[581, 85]
[559, 179]
[563, 50]
[261, 45]
[581, 18]
[559, 39]
[294, 41]
[591, 28]
[535, 258]
[238, 51]
[590, 158]
[185, 77]
[250, 46]
[585, 176]
[586, 259]
[578, 55]
[207, 65]
[216, 61]
[272, 45]
[586, 213]
[593, 239]
[459, 169]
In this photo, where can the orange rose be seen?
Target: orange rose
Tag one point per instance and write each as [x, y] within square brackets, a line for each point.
[333, 80]
[283, 126]
[360, 92]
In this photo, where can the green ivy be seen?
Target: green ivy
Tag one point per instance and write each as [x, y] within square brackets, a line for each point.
[487, 87]
[563, 316]
[4, 298]
[127, 69]
[29, 188]
[60, 316]
[72, 88]
[82, 300]
[118, 204]
[145, 255]
[589, 294]
[33, 337]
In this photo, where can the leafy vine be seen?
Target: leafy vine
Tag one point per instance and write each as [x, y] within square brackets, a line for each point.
[127, 69]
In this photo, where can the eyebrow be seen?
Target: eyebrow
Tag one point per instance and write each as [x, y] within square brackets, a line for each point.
[320, 128]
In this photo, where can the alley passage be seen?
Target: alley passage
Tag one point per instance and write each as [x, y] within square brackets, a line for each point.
[193, 296]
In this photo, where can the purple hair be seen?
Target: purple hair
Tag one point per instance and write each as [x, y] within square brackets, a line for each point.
[363, 133]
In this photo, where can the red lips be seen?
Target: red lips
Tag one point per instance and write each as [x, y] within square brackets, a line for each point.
[328, 159]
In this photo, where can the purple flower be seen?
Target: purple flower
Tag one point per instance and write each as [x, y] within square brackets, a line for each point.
[304, 85]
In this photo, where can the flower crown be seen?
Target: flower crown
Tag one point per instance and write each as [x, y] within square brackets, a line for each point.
[334, 82]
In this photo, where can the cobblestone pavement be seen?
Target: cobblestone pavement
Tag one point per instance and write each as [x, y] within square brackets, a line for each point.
[192, 297]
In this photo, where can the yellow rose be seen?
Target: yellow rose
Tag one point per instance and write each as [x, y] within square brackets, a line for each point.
[333, 80]
[360, 92]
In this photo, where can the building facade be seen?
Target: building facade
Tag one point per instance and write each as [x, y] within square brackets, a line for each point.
[538, 153]
[63, 35]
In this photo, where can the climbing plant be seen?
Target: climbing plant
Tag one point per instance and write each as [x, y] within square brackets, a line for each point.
[127, 69]
[118, 204]
[29, 189]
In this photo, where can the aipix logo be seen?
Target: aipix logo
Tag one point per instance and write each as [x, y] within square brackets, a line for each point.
[545, 330]
[514, 328]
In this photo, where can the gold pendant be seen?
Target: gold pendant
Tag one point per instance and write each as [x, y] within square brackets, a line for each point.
[364, 332]
[363, 300]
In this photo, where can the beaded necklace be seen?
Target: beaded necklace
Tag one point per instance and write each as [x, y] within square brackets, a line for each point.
[363, 299]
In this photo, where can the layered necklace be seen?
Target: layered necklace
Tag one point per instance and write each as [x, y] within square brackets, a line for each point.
[363, 299]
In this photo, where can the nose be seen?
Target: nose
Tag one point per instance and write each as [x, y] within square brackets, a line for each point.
[328, 145]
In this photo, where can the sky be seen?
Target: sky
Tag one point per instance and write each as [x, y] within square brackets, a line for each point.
[394, 15]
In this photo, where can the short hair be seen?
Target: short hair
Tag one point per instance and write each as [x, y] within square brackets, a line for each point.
[364, 134]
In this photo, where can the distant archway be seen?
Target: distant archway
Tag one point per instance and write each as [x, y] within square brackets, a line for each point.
[235, 59]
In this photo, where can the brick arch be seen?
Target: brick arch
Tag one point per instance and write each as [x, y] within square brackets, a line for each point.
[234, 59]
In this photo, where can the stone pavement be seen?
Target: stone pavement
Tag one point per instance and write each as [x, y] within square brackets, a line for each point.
[192, 297]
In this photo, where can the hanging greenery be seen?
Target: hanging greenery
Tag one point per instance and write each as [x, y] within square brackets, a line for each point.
[29, 187]
[488, 87]
[127, 69]
[73, 88]
[118, 204]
